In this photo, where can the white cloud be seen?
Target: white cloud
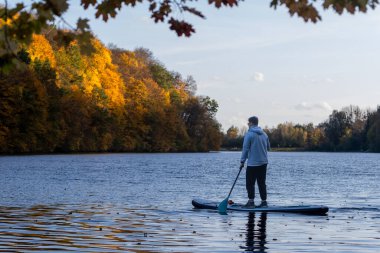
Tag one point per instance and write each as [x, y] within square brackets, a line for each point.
[145, 19]
[237, 121]
[216, 78]
[212, 81]
[259, 77]
[235, 43]
[189, 62]
[235, 100]
[313, 106]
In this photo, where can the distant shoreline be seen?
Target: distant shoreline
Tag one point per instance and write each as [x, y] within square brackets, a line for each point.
[182, 152]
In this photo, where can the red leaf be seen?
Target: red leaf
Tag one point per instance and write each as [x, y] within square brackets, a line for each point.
[181, 27]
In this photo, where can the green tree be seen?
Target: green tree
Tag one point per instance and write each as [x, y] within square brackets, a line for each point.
[354, 137]
[48, 77]
[374, 132]
[202, 127]
[336, 127]
[23, 112]
[161, 75]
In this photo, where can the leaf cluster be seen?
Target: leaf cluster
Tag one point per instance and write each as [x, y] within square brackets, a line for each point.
[17, 24]
[307, 9]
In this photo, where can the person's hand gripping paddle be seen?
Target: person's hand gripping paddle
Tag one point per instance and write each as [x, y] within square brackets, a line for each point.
[222, 207]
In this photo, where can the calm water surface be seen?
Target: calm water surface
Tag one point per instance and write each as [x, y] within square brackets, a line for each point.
[142, 203]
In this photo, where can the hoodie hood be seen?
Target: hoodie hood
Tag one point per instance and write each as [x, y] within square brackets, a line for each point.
[255, 147]
[256, 129]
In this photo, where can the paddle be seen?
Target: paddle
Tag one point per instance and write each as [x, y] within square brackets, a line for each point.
[222, 207]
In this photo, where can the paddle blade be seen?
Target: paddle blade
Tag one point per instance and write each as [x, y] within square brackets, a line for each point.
[222, 207]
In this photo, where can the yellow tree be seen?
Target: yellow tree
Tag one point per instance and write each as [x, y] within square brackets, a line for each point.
[133, 72]
[233, 132]
[40, 49]
[101, 74]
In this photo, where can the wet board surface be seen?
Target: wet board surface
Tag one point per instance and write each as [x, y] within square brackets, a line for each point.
[305, 209]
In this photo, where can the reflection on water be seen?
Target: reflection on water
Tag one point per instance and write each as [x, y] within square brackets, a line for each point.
[89, 229]
[256, 233]
[111, 228]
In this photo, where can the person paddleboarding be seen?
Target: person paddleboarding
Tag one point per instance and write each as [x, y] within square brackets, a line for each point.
[255, 149]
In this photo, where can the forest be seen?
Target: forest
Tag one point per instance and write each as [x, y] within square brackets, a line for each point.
[113, 100]
[63, 99]
[348, 129]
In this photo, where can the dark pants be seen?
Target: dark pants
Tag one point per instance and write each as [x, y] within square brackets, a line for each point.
[258, 173]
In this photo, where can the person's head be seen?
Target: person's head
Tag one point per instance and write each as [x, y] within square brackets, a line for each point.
[253, 121]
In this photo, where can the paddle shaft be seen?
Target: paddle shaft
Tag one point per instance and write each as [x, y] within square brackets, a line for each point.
[229, 194]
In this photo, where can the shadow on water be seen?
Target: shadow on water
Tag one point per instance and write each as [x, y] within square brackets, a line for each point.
[255, 236]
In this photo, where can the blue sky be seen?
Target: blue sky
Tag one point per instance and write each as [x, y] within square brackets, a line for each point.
[258, 61]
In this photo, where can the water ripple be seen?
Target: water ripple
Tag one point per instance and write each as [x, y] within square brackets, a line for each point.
[142, 203]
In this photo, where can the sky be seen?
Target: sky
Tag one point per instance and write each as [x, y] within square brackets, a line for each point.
[255, 60]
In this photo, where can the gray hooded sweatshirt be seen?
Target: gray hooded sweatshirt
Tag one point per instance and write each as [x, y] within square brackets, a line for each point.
[255, 147]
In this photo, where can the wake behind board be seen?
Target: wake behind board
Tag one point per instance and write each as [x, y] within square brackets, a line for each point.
[307, 209]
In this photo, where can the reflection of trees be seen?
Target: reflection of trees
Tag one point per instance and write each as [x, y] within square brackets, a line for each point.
[80, 228]
[255, 238]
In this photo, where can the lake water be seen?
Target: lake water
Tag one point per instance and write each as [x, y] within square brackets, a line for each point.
[142, 203]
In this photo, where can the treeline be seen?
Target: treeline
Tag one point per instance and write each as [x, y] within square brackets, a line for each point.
[348, 129]
[111, 100]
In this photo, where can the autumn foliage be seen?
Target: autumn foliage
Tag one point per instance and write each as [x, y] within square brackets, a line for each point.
[111, 100]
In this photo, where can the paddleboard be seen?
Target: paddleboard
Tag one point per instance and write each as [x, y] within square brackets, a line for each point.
[305, 209]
